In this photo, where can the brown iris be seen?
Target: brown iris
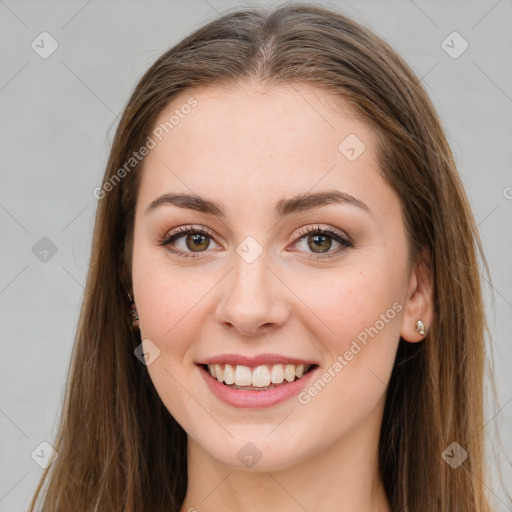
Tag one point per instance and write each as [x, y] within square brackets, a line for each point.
[197, 241]
[316, 242]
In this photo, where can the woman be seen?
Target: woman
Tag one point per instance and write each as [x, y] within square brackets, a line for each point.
[283, 309]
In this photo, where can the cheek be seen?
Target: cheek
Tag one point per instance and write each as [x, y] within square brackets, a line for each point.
[166, 309]
[351, 302]
[351, 384]
[362, 310]
[164, 297]
[169, 305]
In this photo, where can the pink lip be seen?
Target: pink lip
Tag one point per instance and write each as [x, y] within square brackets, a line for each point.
[235, 359]
[256, 399]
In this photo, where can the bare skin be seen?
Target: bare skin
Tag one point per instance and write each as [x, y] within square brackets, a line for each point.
[247, 148]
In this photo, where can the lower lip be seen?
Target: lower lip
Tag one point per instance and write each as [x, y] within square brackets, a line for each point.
[255, 399]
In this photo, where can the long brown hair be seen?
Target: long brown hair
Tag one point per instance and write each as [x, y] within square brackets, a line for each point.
[118, 446]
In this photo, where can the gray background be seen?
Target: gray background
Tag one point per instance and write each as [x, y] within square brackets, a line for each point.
[58, 117]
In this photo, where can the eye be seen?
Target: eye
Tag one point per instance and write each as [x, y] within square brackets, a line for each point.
[195, 240]
[320, 240]
[198, 239]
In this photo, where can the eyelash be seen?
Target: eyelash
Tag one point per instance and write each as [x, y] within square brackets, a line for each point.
[169, 238]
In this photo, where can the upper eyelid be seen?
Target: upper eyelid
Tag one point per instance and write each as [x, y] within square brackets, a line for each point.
[304, 230]
[329, 230]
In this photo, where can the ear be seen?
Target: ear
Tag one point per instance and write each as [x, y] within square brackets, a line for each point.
[419, 304]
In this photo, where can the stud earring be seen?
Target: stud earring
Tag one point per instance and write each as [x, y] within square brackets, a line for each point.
[420, 327]
[133, 313]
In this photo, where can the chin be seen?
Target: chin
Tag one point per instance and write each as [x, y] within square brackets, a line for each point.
[256, 453]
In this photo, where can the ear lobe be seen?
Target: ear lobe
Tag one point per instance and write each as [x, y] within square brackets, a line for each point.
[419, 302]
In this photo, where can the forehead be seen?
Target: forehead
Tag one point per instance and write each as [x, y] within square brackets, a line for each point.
[263, 141]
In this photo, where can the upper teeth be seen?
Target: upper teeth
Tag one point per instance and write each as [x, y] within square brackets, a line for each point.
[260, 376]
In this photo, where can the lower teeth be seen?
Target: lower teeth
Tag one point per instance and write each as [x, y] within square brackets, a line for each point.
[255, 388]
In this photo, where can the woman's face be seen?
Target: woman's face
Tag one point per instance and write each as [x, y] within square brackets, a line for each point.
[300, 259]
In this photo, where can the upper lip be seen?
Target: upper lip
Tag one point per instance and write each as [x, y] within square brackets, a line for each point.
[259, 360]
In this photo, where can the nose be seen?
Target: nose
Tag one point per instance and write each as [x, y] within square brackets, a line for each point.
[253, 302]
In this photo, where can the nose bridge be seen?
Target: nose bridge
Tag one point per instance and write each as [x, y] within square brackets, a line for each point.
[251, 300]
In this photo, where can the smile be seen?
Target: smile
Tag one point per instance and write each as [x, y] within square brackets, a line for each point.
[257, 378]
[259, 381]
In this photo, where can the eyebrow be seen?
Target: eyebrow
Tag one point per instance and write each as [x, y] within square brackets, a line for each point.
[284, 207]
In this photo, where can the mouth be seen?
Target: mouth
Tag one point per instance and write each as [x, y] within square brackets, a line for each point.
[257, 378]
